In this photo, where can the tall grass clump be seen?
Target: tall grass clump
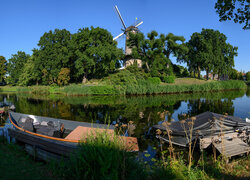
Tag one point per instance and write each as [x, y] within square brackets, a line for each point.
[79, 89]
[103, 156]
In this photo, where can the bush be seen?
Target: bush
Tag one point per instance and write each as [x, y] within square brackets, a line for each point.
[248, 76]
[154, 80]
[169, 79]
[101, 157]
[63, 77]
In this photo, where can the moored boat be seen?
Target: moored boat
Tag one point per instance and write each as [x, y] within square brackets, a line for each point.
[51, 138]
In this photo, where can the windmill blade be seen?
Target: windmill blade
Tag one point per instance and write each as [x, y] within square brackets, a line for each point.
[118, 36]
[139, 24]
[119, 14]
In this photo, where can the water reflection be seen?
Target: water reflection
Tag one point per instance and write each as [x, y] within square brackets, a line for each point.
[144, 111]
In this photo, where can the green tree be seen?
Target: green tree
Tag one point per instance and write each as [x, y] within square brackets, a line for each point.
[53, 54]
[63, 77]
[234, 74]
[3, 68]
[95, 53]
[248, 76]
[209, 51]
[155, 51]
[236, 10]
[28, 75]
[16, 65]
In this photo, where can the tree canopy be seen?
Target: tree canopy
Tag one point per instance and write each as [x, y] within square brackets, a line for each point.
[155, 51]
[209, 51]
[3, 68]
[15, 66]
[94, 52]
[236, 10]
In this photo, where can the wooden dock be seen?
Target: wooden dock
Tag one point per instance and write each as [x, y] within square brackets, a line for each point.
[228, 145]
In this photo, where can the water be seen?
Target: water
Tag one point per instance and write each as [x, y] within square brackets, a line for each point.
[144, 111]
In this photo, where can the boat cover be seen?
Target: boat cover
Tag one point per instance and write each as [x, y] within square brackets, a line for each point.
[205, 124]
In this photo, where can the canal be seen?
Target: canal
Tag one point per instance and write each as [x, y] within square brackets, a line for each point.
[143, 111]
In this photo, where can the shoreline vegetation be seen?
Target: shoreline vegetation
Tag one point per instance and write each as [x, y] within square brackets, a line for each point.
[113, 162]
[144, 87]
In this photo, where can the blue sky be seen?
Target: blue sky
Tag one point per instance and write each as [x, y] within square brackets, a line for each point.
[23, 22]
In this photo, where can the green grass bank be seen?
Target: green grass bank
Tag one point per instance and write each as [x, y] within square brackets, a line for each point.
[103, 158]
[143, 87]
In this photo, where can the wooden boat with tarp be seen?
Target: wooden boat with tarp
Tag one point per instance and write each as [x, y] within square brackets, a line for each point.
[51, 138]
[209, 129]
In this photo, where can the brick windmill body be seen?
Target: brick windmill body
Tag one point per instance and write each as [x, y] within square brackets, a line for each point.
[128, 50]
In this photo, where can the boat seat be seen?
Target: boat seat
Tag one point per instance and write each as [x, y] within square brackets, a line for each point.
[45, 130]
[28, 124]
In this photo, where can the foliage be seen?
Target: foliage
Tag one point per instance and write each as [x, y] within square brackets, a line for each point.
[3, 68]
[101, 157]
[169, 79]
[89, 90]
[248, 76]
[15, 66]
[63, 77]
[123, 77]
[180, 71]
[236, 10]
[95, 53]
[234, 74]
[209, 51]
[28, 74]
[154, 80]
[53, 55]
[155, 51]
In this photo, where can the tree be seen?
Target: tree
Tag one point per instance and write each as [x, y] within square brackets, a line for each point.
[3, 68]
[248, 76]
[28, 75]
[236, 10]
[155, 51]
[234, 74]
[63, 77]
[209, 51]
[95, 53]
[53, 55]
[16, 65]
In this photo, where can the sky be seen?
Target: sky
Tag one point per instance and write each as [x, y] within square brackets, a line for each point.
[23, 22]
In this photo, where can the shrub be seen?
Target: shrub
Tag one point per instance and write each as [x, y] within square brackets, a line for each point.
[169, 79]
[154, 80]
[101, 157]
[63, 77]
[123, 77]
[248, 76]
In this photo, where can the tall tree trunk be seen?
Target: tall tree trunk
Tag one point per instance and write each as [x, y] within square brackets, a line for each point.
[194, 73]
[207, 73]
[147, 67]
[84, 79]
[199, 72]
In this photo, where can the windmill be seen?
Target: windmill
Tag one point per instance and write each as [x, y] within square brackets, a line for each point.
[128, 51]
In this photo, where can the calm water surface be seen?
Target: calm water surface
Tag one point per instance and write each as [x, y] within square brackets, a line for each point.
[144, 111]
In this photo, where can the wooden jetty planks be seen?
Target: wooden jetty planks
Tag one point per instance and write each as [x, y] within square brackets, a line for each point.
[230, 148]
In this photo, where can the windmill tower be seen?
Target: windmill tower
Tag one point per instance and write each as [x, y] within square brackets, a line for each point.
[128, 51]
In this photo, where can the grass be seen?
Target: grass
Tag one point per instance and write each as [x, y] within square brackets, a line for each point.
[189, 81]
[104, 157]
[16, 164]
[137, 87]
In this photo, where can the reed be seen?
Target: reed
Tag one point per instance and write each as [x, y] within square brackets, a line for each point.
[102, 157]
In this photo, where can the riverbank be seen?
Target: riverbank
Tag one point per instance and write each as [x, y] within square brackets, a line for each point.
[112, 162]
[16, 164]
[182, 85]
